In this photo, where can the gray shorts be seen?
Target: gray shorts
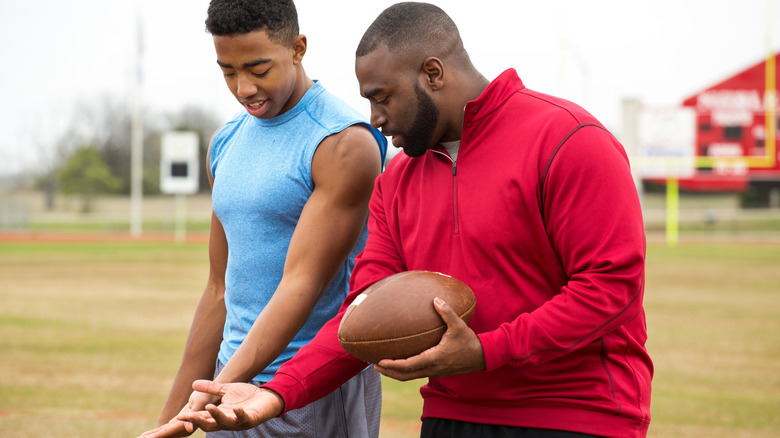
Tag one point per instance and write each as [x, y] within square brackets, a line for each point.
[351, 411]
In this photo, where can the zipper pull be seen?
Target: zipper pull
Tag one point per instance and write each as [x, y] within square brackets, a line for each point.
[454, 169]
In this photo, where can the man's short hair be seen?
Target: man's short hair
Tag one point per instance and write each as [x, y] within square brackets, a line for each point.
[277, 17]
[412, 29]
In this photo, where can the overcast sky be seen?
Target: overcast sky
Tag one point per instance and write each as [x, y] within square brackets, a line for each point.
[56, 54]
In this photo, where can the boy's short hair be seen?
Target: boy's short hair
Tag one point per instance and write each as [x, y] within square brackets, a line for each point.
[277, 17]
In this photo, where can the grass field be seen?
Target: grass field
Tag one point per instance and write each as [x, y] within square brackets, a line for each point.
[91, 335]
[701, 215]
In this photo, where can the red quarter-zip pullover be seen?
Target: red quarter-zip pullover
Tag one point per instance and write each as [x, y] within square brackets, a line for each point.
[540, 217]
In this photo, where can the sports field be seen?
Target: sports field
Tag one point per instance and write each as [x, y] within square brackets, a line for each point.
[91, 335]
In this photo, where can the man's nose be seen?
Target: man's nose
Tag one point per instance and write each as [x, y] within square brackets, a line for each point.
[378, 119]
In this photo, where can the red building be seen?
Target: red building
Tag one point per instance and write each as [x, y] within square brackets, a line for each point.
[731, 133]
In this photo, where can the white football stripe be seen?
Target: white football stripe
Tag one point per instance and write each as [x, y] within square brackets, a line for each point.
[359, 299]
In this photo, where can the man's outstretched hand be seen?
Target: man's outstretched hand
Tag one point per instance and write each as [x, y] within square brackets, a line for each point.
[243, 406]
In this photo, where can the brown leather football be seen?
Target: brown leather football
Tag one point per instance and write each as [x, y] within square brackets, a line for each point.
[395, 319]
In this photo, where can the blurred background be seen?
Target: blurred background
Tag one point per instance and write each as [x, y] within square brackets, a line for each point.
[108, 106]
[87, 82]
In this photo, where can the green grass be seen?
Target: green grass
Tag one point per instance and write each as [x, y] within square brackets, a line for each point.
[103, 226]
[91, 335]
[714, 326]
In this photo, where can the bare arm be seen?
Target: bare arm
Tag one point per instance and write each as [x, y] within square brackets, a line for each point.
[200, 351]
[344, 168]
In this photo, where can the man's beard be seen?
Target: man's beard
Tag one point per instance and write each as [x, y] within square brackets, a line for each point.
[418, 139]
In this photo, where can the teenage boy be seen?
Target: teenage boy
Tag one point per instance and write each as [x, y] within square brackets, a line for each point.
[291, 178]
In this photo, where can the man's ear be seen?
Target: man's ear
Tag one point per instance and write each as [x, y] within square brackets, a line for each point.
[433, 69]
[298, 47]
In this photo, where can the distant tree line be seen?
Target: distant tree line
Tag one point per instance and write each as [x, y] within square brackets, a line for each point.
[92, 156]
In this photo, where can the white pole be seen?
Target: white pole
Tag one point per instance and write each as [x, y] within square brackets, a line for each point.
[629, 137]
[181, 218]
[136, 141]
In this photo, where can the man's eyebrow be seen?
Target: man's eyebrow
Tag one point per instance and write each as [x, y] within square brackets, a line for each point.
[249, 64]
[372, 93]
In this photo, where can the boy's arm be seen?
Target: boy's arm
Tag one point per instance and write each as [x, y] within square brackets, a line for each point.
[343, 169]
[205, 336]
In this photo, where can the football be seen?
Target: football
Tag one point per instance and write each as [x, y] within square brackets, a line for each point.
[395, 319]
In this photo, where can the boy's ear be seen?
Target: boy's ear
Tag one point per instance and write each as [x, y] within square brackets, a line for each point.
[298, 48]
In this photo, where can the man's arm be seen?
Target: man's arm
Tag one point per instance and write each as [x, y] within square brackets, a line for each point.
[343, 169]
[594, 222]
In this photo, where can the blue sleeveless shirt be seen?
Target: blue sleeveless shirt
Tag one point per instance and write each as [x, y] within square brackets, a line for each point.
[262, 179]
